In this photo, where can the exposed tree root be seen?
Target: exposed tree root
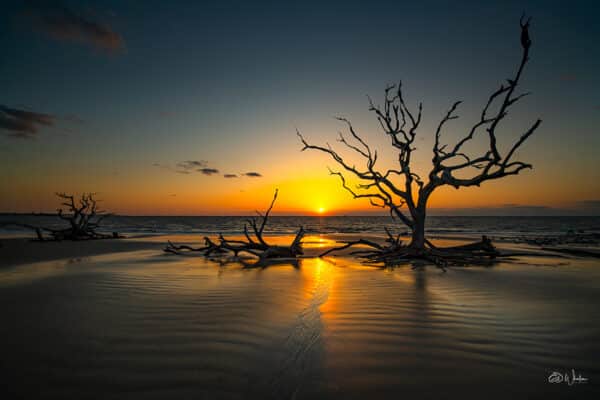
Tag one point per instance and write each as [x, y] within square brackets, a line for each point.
[481, 252]
[209, 248]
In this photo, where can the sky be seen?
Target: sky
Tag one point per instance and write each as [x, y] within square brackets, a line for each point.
[191, 108]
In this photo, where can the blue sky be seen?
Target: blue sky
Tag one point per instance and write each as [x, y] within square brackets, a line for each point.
[130, 85]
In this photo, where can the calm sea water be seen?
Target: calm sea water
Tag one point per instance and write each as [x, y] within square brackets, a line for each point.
[436, 225]
[151, 326]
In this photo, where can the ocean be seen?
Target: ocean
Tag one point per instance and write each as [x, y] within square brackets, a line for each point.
[494, 226]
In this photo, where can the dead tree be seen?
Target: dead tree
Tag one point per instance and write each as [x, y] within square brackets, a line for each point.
[83, 217]
[400, 188]
[253, 243]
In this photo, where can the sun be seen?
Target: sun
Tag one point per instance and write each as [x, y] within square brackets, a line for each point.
[321, 210]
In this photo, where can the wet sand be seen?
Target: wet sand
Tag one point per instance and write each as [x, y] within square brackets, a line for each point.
[140, 324]
[15, 251]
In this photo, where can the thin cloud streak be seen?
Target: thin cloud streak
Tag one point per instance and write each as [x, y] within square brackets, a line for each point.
[208, 171]
[61, 23]
[189, 166]
[23, 124]
[192, 166]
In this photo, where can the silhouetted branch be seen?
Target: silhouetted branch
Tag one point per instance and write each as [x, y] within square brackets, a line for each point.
[492, 164]
[362, 242]
[258, 231]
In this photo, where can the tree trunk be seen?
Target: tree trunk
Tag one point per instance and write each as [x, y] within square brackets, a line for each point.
[418, 233]
[418, 228]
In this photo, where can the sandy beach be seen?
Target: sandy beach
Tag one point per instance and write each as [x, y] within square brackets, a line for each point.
[15, 251]
[120, 319]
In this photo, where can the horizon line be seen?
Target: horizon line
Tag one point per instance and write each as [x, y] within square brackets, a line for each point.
[45, 214]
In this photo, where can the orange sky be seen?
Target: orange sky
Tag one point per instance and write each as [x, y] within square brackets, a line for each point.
[304, 186]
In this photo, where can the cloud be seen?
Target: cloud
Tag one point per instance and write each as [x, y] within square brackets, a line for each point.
[189, 166]
[22, 123]
[208, 171]
[201, 166]
[61, 23]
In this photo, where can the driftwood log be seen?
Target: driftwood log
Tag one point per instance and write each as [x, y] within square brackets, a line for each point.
[254, 243]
